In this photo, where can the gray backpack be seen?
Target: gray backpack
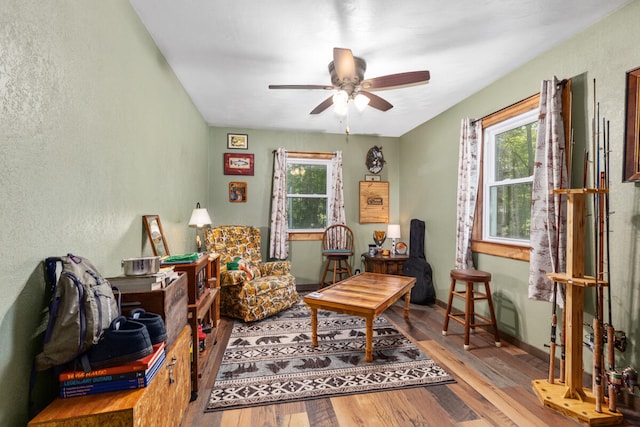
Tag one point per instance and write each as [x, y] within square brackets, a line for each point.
[82, 306]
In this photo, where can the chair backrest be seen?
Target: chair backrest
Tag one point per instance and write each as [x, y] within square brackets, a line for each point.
[337, 237]
[232, 241]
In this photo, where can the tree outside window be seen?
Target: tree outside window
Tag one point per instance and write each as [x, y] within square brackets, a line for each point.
[508, 177]
[308, 190]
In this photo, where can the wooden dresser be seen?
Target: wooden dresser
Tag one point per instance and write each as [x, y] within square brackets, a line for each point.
[162, 403]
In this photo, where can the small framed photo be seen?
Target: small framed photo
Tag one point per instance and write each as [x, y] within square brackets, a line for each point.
[237, 192]
[372, 177]
[238, 164]
[237, 141]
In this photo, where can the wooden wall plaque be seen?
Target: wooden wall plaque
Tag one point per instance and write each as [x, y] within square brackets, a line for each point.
[374, 202]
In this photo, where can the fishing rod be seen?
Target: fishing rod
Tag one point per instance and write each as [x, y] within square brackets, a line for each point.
[597, 331]
[554, 316]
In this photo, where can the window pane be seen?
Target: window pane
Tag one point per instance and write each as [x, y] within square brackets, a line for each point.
[306, 179]
[515, 151]
[307, 212]
[510, 211]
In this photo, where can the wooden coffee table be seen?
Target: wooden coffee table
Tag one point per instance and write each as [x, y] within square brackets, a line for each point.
[365, 295]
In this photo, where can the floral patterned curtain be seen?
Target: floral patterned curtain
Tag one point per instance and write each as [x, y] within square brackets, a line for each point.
[470, 131]
[548, 213]
[336, 203]
[279, 238]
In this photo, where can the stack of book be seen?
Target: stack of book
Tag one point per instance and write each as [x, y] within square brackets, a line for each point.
[144, 283]
[132, 375]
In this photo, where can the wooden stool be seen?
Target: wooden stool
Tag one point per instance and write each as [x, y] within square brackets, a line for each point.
[471, 295]
[338, 264]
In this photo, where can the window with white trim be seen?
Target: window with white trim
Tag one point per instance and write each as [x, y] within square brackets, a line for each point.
[308, 193]
[509, 156]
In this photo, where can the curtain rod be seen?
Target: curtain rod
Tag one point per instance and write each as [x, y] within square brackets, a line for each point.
[309, 154]
[561, 83]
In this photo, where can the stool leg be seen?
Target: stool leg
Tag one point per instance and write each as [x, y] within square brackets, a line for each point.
[324, 274]
[493, 315]
[446, 316]
[335, 267]
[468, 312]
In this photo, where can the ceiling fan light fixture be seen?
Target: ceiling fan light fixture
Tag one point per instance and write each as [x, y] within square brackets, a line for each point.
[341, 102]
[361, 101]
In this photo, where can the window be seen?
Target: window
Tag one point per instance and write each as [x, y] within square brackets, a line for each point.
[509, 153]
[500, 227]
[503, 208]
[308, 192]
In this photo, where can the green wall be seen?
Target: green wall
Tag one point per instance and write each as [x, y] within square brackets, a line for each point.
[305, 256]
[95, 131]
[430, 152]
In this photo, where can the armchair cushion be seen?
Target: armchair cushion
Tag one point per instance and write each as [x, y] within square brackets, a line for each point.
[257, 289]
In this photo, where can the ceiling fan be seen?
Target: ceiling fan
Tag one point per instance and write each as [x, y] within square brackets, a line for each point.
[347, 79]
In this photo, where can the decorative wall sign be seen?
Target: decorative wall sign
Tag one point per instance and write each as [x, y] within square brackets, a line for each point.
[238, 164]
[372, 177]
[374, 202]
[632, 128]
[237, 192]
[237, 141]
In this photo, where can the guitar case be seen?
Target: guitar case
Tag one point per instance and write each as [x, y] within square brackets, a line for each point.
[417, 266]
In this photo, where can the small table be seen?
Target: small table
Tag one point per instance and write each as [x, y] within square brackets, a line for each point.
[391, 264]
[365, 295]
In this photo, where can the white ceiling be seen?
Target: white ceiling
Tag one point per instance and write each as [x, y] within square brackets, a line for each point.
[227, 52]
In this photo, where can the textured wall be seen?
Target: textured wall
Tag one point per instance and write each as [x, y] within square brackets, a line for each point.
[305, 257]
[95, 131]
[603, 52]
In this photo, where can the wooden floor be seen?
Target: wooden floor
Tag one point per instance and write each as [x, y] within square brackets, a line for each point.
[493, 388]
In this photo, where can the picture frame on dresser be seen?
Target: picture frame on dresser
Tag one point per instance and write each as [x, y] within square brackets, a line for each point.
[156, 235]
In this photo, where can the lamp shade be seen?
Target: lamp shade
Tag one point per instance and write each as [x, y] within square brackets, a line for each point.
[393, 231]
[199, 217]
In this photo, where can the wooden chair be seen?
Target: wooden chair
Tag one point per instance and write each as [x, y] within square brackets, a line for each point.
[337, 247]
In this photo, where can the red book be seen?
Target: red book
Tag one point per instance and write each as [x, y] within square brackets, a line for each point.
[137, 365]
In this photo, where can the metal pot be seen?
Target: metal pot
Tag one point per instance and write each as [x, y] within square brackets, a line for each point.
[141, 266]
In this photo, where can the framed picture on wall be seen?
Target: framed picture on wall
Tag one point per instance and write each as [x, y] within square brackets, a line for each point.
[237, 192]
[237, 141]
[238, 164]
[632, 128]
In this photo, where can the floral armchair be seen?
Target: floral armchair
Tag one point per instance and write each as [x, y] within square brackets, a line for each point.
[249, 288]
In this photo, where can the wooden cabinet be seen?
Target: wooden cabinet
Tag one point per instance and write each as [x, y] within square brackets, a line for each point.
[162, 403]
[171, 303]
[203, 283]
[391, 264]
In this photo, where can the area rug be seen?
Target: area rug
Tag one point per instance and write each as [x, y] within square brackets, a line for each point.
[272, 361]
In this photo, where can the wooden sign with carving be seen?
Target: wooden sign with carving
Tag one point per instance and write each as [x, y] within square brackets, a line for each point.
[374, 202]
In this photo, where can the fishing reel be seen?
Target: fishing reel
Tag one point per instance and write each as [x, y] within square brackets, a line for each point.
[619, 339]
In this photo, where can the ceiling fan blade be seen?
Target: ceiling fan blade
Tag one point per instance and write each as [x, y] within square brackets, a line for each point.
[323, 106]
[393, 81]
[325, 87]
[376, 102]
[344, 63]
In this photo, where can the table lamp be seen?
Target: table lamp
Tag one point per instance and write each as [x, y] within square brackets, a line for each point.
[199, 218]
[393, 232]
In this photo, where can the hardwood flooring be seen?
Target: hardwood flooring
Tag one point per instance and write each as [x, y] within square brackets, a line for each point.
[493, 388]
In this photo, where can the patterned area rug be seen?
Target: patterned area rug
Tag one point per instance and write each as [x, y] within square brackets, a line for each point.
[272, 360]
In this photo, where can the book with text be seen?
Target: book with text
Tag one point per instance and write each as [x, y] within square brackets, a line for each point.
[149, 282]
[112, 385]
[140, 365]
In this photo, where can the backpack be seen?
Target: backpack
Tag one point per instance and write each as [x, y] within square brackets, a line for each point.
[82, 306]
